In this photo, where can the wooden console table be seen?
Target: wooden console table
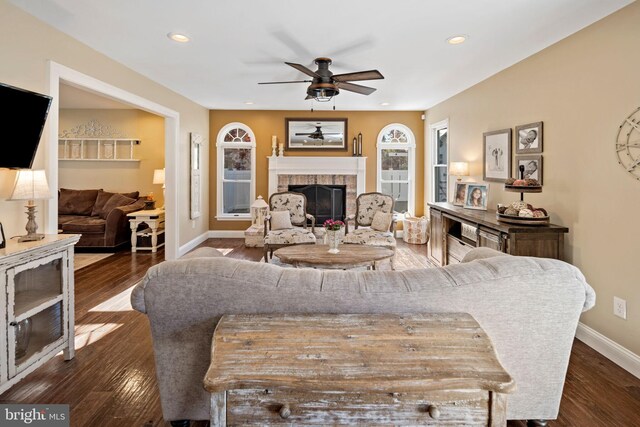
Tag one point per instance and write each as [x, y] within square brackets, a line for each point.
[355, 369]
[455, 231]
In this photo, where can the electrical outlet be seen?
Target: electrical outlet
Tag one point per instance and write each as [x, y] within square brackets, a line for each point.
[620, 307]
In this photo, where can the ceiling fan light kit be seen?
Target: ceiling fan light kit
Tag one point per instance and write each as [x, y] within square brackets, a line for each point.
[325, 85]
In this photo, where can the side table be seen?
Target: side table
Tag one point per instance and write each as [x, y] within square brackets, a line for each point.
[355, 369]
[155, 220]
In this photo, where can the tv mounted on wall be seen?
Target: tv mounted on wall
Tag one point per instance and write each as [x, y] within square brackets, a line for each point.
[21, 122]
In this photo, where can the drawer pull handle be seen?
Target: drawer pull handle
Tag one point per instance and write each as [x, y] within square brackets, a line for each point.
[434, 412]
[285, 411]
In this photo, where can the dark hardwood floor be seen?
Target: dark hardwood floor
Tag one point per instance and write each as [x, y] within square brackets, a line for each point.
[111, 381]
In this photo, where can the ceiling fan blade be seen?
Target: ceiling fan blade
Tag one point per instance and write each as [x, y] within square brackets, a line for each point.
[308, 97]
[303, 69]
[358, 75]
[279, 83]
[364, 90]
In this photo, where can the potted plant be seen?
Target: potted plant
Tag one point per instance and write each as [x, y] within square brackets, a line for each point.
[333, 234]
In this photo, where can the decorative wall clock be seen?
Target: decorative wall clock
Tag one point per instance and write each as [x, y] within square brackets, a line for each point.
[628, 144]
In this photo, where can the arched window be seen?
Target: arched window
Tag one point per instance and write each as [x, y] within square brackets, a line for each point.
[396, 165]
[236, 147]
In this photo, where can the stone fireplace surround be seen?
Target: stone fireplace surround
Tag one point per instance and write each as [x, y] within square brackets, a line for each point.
[298, 170]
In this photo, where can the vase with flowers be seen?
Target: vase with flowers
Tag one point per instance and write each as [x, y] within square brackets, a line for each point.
[333, 228]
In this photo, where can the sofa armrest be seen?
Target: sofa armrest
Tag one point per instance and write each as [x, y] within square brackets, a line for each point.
[313, 222]
[117, 222]
[482, 253]
[137, 296]
[351, 217]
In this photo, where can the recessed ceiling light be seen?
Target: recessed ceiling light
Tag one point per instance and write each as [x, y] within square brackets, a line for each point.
[249, 102]
[457, 39]
[384, 104]
[177, 37]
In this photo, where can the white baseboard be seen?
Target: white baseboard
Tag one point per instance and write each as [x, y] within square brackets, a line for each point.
[613, 351]
[226, 234]
[193, 243]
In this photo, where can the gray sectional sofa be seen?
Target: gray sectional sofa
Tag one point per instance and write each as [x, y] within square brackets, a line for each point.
[530, 308]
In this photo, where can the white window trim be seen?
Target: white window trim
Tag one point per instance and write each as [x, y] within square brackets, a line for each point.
[410, 145]
[432, 153]
[220, 146]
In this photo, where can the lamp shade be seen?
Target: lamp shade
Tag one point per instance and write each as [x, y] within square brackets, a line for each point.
[459, 168]
[259, 203]
[31, 185]
[158, 176]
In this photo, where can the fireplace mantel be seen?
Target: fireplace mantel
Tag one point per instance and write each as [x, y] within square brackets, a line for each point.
[298, 165]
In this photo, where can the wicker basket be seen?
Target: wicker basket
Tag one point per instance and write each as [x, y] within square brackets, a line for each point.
[415, 230]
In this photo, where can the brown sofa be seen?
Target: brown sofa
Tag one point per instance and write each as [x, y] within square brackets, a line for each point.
[99, 216]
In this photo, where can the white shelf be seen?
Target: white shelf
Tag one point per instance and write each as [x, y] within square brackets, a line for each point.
[31, 302]
[97, 149]
[99, 160]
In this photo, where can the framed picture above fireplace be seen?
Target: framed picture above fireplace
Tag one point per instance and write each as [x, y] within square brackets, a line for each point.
[316, 134]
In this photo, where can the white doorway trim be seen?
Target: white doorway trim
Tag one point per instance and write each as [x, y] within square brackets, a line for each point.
[61, 74]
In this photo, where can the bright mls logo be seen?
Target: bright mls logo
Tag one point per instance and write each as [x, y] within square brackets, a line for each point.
[34, 415]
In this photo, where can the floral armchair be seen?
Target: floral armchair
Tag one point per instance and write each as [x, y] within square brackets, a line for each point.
[298, 234]
[367, 204]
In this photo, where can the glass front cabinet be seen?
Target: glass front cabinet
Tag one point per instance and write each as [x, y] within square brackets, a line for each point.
[37, 305]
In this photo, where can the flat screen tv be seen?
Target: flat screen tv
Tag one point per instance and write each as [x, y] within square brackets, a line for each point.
[21, 122]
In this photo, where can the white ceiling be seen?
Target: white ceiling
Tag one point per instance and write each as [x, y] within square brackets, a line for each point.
[238, 43]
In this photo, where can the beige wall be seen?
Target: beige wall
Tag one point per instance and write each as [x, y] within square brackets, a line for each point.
[117, 176]
[582, 88]
[267, 123]
[26, 44]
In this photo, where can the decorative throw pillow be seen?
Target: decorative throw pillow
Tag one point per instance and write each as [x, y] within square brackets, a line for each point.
[76, 202]
[103, 198]
[280, 220]
[115, 201]
[382, 221]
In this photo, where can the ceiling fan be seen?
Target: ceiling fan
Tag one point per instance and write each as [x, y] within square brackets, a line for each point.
[317, 134]
[325, 85]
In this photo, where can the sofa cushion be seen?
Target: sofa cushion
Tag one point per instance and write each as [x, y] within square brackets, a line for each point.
[103, 198]
[63, 219]
[87, 225]
[292, 236]
[113, 202]
[76, 202]
[367, 236]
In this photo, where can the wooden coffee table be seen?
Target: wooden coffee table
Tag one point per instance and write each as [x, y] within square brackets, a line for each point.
[318, 256]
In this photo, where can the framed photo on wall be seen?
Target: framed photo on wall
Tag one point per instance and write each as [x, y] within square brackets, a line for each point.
[497, 155]
[459, 193]
[532, 167]
[529, 138]
[476, 197]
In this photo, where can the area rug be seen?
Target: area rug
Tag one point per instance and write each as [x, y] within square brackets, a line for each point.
[85, 260]
[406, 259]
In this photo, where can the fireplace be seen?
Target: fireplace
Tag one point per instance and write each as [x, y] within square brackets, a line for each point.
[349, 173]
[324, 201]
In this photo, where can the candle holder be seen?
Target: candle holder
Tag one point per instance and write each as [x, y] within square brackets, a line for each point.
[273, 152]
[281, 151]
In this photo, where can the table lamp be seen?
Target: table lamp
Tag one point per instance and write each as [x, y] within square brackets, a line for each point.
[31, 185]
[158, 178]
[459, 169]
